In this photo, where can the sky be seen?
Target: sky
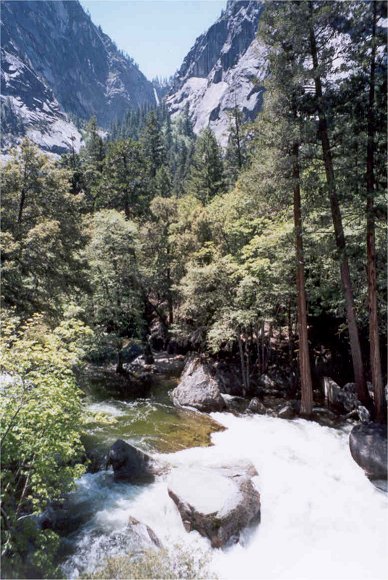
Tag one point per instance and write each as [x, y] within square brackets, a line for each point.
[157, 34]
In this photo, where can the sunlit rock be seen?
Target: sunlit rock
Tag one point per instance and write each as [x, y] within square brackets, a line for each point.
[198, 388]
[217, 502]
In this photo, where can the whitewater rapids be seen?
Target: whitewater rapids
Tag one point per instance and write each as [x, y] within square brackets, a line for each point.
[321, 518]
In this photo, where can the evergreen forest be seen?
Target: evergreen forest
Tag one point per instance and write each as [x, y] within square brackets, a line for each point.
[268, 254]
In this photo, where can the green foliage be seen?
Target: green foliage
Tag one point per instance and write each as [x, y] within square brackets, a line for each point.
[40, 432]
[42, 238]
[206, 178]
[124, 184]
[152, 144]
[116, 304]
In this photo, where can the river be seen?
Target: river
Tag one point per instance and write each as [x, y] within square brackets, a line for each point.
[321, 517]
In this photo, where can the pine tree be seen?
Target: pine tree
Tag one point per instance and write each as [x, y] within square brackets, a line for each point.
[315, 16]
[92, 158]
[236, 151]
[152, 144]
[206, 178]
[124, 186]
[283, 133]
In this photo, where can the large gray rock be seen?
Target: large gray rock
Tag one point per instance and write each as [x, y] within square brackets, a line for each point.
[218, 502]
[198, 388]
[368, 446]
[130, 464]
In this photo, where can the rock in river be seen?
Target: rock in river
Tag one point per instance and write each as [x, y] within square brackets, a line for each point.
[368, 446]
[218, 502]
[198, 388]
[130, 464]
[145, 535]
[257, 406]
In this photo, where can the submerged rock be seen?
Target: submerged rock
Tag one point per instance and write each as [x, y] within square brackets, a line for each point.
[368, 446]
[198, 388]
[218, 502]
[131, 464]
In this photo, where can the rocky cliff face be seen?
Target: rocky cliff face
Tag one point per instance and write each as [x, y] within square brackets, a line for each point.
[56, 63]
[222, 70]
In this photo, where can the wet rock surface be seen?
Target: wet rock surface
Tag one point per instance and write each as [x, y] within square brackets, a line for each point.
[130, 464]
[235, 404]
[146, 535]
[218, 502]
[368, 446]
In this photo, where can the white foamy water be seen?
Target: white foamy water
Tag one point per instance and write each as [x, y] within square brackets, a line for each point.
[321, 518]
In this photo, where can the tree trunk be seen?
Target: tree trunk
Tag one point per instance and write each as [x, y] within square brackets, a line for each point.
[374, 344]
[23, 194]
[247, 365]
[304, 357]
[242, 362]
[169, 298]
[290, 334]
[119, 366]
[359, 376]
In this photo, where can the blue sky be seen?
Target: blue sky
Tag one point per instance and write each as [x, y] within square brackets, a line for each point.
[156, 33]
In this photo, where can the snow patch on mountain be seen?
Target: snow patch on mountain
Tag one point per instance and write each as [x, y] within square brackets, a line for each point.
[29, 109]
[57, 66]
[224, 69]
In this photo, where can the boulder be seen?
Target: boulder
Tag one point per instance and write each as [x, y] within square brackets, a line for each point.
[145, 534]
[344, 398]
[140, 365]
[218, 502]
[286, 412]
[235, 404]
[130, 464]
[198, 388]
[332, 391]
[256, 406]
[325, 417]
[368, 446]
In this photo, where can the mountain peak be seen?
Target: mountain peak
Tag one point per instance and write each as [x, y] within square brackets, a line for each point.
[65, 66]
[223, 69]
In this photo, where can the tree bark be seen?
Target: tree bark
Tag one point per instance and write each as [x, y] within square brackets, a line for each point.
[358, 369]
[119, 365]
[242, 362]
[374, 344]
[23, 195]
[304, 357]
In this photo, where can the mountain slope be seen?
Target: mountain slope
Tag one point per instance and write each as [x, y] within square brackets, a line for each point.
[55, 61]
[222, 70]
